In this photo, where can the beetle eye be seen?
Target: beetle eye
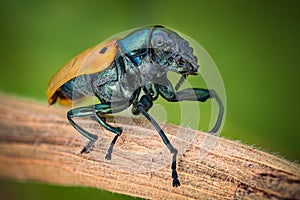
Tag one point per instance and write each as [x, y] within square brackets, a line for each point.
[179, 60]
[170, 61]
[158, 41]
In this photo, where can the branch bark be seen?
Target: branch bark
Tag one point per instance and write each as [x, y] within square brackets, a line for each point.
[37, 143]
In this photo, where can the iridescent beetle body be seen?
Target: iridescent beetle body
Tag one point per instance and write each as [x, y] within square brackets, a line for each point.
[117, 70]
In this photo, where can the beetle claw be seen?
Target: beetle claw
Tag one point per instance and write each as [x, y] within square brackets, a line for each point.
[84, 150]
[176, 182]
[108, 156]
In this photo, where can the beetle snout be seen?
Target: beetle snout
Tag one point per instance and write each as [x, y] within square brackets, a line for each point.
[186, 67]
[191, 68]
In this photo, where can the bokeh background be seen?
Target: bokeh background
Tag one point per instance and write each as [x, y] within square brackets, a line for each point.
[255, 45]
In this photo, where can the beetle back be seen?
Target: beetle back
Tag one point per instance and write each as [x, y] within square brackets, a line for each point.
[93, 60]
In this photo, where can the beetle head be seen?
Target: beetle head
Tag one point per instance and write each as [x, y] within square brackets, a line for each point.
[173, 53]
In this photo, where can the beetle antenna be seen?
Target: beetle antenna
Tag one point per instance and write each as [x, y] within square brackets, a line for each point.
[180, 82]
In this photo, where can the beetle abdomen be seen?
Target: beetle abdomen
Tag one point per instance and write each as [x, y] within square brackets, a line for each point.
[77, 87]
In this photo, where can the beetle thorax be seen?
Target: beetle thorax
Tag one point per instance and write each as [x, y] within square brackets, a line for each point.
[150, 72]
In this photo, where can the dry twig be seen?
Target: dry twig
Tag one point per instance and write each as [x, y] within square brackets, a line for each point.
[37, 143]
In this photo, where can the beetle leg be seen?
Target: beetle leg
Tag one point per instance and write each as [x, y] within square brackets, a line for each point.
[143, 106]
[202, 95]
[82, 112]
[104, 108]
[194, 94]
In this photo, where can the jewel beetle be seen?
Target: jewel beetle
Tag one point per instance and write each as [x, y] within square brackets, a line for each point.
[130, 71]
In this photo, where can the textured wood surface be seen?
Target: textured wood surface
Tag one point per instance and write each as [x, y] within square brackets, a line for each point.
[37, 143]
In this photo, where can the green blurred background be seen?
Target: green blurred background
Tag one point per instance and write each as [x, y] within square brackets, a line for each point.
[255, 45]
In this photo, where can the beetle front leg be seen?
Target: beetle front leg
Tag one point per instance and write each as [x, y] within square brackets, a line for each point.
[194, 94]
[202, 95]
[143, 106]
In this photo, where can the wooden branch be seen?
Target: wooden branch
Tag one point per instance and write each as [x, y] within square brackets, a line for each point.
[37, 143]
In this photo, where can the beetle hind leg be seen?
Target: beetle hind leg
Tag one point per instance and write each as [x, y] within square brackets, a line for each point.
[91, 142]
[110, 149]
[79, 112]
[116, 130]
[94, 112]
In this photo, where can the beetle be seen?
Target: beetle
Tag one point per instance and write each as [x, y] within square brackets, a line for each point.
[116, 71]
